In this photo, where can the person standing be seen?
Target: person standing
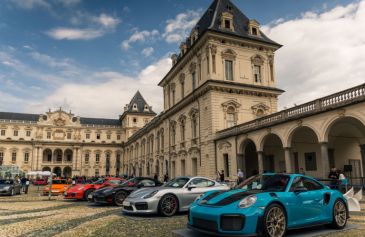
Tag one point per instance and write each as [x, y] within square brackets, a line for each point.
[240, 176]
[333, 175]
[166, 178]
[155, 176]
[23, 180]
[26, 185]
[221, 176]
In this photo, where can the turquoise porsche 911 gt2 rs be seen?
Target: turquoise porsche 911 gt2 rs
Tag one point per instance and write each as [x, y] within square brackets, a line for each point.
[268, 205]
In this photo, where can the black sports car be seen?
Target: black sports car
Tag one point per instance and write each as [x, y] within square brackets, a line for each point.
[9, 187]
[116, 194]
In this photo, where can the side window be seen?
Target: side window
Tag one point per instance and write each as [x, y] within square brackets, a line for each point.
[297, 182]
[311, 185]
[147, 183]
[202, 183]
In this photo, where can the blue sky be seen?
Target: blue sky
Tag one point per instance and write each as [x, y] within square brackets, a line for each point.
[69, 52]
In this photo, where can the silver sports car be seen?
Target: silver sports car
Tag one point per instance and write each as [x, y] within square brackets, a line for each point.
[174, 196]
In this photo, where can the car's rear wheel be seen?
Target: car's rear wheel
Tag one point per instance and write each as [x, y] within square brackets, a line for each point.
[119, 198]
[339, 214]
[274, 221]
[86, 194]
[168, 205]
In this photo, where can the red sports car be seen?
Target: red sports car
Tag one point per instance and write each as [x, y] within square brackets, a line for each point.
[81, 191]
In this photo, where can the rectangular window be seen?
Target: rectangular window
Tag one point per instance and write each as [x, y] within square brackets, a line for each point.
[257, 73]
[68, 135]
[3, 132]
[98, 136]
[231, 121]
[97, 158]
[96, 172]
[28, 133]
[87, 135]
[229, 70]
[48, 135]
[26, 157]
[16, 132]
[310, 161]
[87, 157]
[1, 158]
[118, 137]
[173, 97]
[108, 136]
[13, 157]
[193, 80]
[254, 31]
[227, 24]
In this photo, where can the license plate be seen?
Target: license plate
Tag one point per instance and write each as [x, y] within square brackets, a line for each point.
[126, 203]
[90, 196]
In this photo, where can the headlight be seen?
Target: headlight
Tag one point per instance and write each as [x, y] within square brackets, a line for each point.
[81, 187]
[150, 194]
[247, 201]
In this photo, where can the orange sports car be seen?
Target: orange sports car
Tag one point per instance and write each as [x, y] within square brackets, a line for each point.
[59, 186]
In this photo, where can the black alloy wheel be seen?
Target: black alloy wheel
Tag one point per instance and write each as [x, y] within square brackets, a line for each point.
[168, 205]
[119, 198]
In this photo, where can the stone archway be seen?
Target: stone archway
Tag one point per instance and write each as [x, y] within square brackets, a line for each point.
[57, 156]
[346, 147]
[47, 155]
[307, 153]
[58, 171]
[273, 154]
[46, 168]
[248, 161]
[67, 172]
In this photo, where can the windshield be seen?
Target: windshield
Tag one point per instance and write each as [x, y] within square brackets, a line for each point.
[100, 181]
[6, 181]
[177, 183]
[130, 182]
[275, 183]
[59, 181]
[115, 181]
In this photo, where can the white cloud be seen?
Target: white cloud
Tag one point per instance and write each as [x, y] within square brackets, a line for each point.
[322, 52]
[177, 29]
[108, 97]
[139, 36]
[63, 33]
[147, 51]
[30, 4]
[100, 26]
[69, 3]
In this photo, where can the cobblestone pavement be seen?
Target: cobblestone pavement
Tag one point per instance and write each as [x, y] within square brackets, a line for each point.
[34, 215]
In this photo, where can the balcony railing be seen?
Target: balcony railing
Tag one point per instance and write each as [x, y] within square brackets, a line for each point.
[337, 100]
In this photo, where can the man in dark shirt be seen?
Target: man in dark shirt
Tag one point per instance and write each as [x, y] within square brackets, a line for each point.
[333, 175]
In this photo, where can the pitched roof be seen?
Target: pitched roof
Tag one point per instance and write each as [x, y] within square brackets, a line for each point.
[140, 102]
[211, 21]
[19, 116]
[100, 121]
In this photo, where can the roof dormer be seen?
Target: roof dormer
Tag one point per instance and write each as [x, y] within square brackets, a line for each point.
[254, 27]
[194, 36]
[227, 21]
[135, 108]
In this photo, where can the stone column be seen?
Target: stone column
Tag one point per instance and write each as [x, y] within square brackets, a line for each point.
[288, 160]
[260, 157]
[362, 147]
[39, 157]
[325, 160]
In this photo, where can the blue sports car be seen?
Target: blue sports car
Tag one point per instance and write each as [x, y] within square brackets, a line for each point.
[268, 205]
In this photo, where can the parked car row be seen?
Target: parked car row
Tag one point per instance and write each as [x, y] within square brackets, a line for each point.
[9, 187]
[263, 205]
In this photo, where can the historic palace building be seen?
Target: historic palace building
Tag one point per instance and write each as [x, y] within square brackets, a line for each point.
[220, 113]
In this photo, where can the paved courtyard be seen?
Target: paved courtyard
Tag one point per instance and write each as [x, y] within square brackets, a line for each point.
[33, 215]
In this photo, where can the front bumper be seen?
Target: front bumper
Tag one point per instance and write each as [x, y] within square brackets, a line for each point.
[53, 193]
[73, 195]
[5, 192]
[102, 198]
[141, 205]
[226, 220]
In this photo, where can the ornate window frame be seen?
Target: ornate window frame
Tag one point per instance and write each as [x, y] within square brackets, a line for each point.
[229, 55]
[230, 105]
[257, 61]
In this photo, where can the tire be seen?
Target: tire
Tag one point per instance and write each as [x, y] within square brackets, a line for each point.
[86, 193]
[274, 221]
[119, 198]
[168, 205]
[339, 215]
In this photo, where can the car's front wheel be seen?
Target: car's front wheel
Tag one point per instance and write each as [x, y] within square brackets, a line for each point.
[119, 198]
[168, 205]
[274, 221]
[339, 214]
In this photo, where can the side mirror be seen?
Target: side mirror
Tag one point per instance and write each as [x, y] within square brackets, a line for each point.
[300, 189]
[191, 186]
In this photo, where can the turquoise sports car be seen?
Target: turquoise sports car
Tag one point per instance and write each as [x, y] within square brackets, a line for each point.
[268, 205]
